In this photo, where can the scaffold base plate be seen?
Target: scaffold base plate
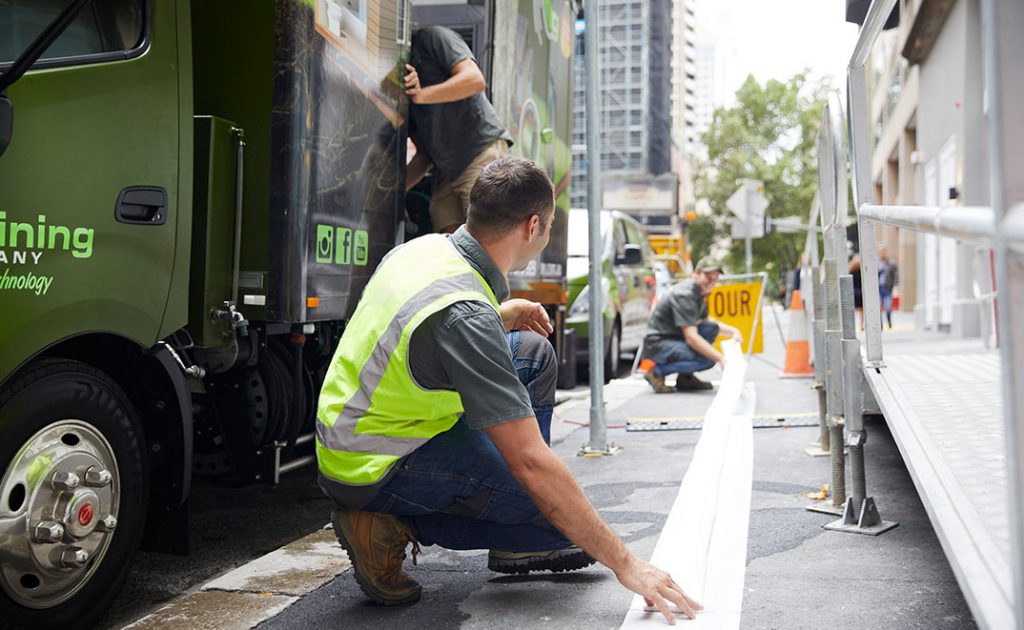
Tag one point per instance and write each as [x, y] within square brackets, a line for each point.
[825, 507]
[586, 451]
[873, 530]
[869, 523]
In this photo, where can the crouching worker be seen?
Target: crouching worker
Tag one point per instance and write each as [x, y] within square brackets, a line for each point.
[680, 332]
[433, 421]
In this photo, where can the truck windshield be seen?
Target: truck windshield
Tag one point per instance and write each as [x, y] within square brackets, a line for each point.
[102, 27]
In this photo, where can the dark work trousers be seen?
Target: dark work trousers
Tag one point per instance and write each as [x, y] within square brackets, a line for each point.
[677, 357]
[456, 491]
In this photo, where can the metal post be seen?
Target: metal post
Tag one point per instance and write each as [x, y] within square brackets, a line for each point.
[851, 364]
[834, 214]
[833, 392]
[860, 151]
[834, 383]
[748, 246]
[860, 516]
[239, 205]
[818, 338]
[598, 444]
[1002, 22]
[829, 194]
[828, 297]
[757, 313]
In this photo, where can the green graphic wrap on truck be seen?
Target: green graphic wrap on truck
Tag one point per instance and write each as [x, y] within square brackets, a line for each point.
[23, 245]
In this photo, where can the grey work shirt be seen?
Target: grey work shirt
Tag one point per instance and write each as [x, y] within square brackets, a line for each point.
[452, 134]
[682, 306]
[462, 348]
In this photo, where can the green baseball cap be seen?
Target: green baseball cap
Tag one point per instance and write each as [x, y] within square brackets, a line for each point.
[709, 263]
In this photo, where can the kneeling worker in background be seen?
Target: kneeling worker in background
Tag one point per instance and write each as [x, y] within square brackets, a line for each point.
[680, 332]
[434, 419]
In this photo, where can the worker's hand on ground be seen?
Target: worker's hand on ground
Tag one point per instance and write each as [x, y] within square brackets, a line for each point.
[658, 589]
[412, 84]
[520, 314]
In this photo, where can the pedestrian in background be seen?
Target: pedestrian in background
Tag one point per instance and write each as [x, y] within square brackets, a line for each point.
[888, 277]
[858, 293]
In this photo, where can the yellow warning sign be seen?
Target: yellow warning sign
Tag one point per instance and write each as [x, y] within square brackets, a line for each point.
[736, 304]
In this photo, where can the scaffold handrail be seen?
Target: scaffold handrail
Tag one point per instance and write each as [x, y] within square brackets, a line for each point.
[998, 230]
[874, 21]
[965, 223]
[1012, 228]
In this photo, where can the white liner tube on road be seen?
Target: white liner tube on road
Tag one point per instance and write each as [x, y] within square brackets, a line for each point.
[704, 542]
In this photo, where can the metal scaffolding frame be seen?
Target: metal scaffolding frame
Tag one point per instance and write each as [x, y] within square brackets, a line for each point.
[992, 578]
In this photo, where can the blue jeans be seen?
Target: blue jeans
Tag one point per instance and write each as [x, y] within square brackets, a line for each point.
[677, 357]
[456, 491]
[885, 296]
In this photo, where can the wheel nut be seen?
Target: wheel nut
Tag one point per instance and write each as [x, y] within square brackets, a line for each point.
[74, 557]
[107, 523]
[49, 532]
[65, 481]
[97, 477]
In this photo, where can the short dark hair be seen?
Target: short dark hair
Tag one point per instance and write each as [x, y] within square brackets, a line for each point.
[509, 191]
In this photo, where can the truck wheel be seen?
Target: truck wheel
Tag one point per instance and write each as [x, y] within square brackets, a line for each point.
[72, 494]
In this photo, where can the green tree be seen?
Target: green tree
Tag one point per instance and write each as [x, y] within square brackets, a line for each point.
[769, 134]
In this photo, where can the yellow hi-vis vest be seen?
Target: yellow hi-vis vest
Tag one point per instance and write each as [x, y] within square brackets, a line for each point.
[371, 411]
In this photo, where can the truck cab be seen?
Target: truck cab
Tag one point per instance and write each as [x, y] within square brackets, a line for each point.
[192, 197]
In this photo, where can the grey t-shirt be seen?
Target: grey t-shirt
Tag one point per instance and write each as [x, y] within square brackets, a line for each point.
[464, 348]
[682, 306]
[452, 134]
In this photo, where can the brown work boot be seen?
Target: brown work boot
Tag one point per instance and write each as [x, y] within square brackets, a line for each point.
[690, 383]
[375, 544]
[657, 382]
[570, 558]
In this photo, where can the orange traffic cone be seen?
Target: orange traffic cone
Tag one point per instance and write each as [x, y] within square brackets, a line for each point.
[798, 350]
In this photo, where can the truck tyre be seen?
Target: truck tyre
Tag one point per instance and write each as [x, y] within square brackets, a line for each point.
[611, 358]
[72, 494]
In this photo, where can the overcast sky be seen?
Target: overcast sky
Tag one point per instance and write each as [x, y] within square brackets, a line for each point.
[775, 39]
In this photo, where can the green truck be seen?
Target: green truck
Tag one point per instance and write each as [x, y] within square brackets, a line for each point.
[193, 194]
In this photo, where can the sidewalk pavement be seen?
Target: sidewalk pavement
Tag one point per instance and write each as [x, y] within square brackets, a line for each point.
[798, 574]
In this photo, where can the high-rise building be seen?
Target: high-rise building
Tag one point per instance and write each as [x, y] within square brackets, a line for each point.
[638, 90]
[685, 76]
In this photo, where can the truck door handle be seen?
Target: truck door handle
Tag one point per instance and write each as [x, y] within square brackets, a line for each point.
[142, 205]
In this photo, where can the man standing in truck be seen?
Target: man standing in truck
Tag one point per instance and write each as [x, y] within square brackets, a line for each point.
[453, 125]
[434, 418]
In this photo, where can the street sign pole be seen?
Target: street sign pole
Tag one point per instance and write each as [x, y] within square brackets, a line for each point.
[748, 246]
[598, 444]
[748, 204]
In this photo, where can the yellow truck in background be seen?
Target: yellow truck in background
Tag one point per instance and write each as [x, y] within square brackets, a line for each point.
[674, 251]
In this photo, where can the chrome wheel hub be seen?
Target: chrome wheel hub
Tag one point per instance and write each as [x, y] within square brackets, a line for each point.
[59, 501]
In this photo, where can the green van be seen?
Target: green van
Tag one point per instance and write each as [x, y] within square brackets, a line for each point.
[627, 285]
